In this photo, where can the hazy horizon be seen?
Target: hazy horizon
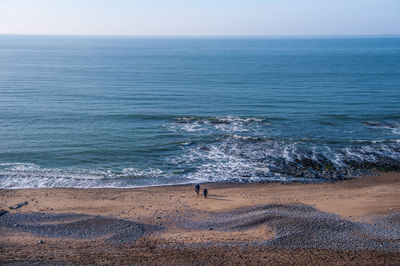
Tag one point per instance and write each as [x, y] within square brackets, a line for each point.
[188, 18]
[209, 36]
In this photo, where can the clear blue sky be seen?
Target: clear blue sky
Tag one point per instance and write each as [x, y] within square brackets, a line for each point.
[201, 17]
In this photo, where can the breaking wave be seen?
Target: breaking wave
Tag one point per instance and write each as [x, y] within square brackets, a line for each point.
[230, 149]
[248, 159]
[224, 124]
[393, 126]
[28, 175]
[248, 150]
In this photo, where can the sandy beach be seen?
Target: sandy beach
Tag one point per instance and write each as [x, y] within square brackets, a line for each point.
[354, 222]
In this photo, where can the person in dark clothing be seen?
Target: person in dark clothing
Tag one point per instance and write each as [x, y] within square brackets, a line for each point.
[205, 192]
[197, 188]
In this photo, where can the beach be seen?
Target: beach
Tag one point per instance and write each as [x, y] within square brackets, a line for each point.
[353, 221]
[187, 133]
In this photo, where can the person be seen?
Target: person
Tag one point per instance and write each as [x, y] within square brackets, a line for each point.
[197, 188]
[205, 192]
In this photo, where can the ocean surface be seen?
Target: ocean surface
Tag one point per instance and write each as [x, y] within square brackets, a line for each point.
[127, 112]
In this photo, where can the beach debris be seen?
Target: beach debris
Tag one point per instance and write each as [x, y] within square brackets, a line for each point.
[197, 188]
[18, 205]
[2, 212]
[205, 192]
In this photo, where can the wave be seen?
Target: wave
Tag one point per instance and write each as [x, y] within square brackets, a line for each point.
[220, 123]
[232, 149]
[314, 140]
[218, 119]
[247, 159]
[28, 175]
[393, 126]
[230, 159]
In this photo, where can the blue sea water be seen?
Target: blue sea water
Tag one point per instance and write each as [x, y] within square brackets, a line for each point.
[125, 112]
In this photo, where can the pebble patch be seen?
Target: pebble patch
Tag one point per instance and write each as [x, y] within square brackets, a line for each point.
[299, 226]
[78, 226]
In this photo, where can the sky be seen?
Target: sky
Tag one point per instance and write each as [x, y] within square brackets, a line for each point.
[201, 17]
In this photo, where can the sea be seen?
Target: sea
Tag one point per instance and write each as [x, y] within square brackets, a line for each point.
[104, 111]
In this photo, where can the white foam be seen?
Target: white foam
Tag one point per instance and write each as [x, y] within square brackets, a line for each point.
[148, 173]
[240, 158]
[27, 175]
[233, 157]
[223, 124]
[392, 126]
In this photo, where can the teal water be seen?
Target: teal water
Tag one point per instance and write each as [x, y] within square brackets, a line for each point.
[126, 112]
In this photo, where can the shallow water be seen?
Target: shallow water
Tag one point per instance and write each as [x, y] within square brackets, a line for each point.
[125, 112]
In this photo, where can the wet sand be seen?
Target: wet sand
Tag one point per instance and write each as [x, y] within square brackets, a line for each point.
[355, 222]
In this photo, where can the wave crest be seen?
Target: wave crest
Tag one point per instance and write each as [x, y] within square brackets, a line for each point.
[28, 175]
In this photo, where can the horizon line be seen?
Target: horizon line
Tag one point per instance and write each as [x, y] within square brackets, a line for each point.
[205, 36]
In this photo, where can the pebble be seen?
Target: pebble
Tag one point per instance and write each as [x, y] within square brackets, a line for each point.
[300, 226]
[78, 226]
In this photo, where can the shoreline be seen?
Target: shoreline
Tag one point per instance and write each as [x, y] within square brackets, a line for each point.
[236, 218]
[295, 180]
[9, 197]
